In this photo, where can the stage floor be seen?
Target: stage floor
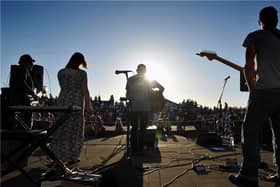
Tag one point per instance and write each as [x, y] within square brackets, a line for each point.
[169, 164]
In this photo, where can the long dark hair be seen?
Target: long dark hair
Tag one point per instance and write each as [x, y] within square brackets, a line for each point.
[76, 60]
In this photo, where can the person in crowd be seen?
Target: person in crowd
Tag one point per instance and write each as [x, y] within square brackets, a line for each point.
[68, 139]
[22, 86]
[262, 72]
[99, 128]
[138, 92]
[118, 126]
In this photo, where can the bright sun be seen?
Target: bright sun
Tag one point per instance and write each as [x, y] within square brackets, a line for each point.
[158, 72]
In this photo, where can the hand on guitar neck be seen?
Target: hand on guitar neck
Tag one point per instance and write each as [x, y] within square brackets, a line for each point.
[211, 55]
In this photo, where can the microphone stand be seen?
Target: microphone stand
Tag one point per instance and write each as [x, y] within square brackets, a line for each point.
[219, 105]
[128, 135]
[126, 75]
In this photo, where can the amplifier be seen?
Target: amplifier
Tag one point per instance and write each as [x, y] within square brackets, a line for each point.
[150, 139]
[208, 139]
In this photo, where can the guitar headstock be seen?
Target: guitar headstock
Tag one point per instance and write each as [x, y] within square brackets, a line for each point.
[209, 54]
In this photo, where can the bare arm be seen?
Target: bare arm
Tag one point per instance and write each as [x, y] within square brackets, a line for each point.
[250, 73]
[88, 106]
[158, 86]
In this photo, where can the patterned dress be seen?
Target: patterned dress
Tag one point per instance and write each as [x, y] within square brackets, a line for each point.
[68, 139]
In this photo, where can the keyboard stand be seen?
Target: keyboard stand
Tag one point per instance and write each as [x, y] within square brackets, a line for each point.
[34, 138]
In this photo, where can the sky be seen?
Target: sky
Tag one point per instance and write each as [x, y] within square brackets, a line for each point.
[119, 35]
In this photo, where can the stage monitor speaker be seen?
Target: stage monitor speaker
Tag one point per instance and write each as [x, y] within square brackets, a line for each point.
[208, 139]
[150, 139]
[123, 174]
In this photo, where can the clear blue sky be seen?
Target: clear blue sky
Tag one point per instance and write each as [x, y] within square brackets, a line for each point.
[119, 35]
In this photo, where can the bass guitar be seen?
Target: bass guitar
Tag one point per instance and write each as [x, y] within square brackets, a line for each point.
[213, 56]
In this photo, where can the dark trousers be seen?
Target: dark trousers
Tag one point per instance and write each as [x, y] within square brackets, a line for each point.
[139, 121]
[262, 105]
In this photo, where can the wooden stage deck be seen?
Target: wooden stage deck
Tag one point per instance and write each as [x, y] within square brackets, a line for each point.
[168, 165]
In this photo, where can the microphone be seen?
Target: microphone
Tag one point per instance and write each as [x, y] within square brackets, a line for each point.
[227, 77]
[122, 71]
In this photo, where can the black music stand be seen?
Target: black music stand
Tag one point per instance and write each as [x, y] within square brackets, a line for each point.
[35, 139]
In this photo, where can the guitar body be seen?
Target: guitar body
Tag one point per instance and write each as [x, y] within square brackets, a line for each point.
[157, 101]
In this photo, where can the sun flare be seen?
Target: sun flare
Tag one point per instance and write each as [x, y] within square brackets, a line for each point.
[158, 72]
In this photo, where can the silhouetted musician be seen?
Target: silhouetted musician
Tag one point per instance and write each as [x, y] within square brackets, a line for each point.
[21, 91]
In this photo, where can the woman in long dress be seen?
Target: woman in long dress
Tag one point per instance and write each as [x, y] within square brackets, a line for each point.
[68, 139]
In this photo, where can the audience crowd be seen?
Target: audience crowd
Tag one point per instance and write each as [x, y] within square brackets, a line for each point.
[188, 112]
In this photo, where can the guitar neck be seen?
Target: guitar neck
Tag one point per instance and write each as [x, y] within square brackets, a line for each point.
[231, 64]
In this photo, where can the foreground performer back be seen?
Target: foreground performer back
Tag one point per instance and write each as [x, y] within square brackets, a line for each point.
[262, 51]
